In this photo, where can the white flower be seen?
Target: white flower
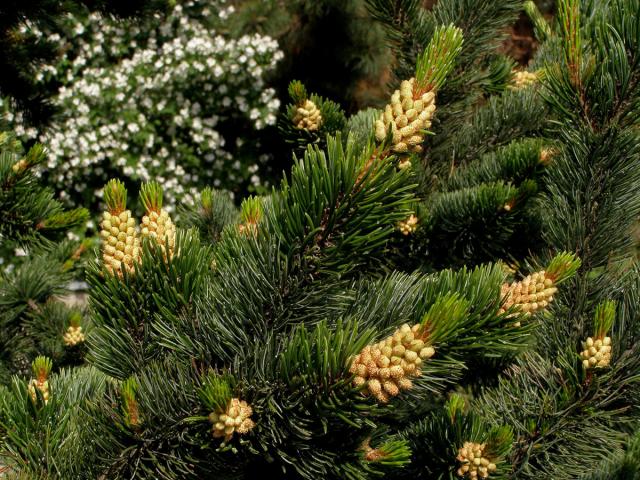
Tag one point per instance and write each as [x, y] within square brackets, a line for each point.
[157, 89]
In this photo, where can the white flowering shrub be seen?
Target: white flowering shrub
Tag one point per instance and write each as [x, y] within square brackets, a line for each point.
[168, 99]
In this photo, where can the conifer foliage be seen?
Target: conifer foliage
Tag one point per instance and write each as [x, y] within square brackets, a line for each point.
[29, 210]
[461, 305]
[33, 320]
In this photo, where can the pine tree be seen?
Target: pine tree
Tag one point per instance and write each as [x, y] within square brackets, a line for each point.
[32, 316]
[382, 314]
[488, 138]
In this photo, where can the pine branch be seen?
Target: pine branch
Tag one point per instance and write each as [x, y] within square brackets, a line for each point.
[542, 29]
[125, 308]
[439, 439]
[476, 224]
[28, 209]
[309, 119]
[350, 211]
[438, 59]
[214, 212]
[39, 439]
[515, 114]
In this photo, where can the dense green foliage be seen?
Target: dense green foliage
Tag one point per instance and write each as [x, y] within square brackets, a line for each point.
[33, 320]
[375, 314]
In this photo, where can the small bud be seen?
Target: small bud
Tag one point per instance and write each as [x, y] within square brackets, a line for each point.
[20, 166]
[547, 154]
[473, 462]
[73, 336]
[596, 353]
[307, 116]
[234, 419]
[409, 225]
[156, 223]
[407, 118]
[526, 295]
[396, 358]
[523, 79]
